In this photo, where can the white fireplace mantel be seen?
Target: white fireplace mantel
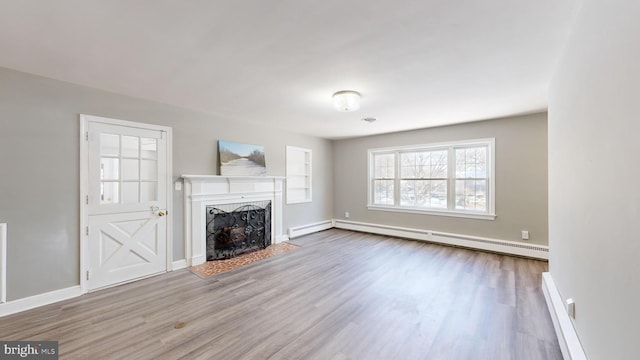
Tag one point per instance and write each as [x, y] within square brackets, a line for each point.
[201, 191]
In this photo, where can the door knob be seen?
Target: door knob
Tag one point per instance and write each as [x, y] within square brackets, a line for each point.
[161, 213]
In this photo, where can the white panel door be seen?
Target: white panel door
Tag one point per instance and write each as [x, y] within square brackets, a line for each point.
[127, 204]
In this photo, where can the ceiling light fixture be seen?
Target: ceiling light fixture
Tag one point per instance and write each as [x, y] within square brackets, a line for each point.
[346, 100]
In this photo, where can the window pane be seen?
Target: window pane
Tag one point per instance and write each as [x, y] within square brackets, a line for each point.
[424, 193]
[130, 147]
[149, 148]
[415, 164]
[384, 166]
[423, 164]
[471, 162]
[149, 170]
[408, 192]
[130, 169]
[109, 145]
[109, 193]
[438, 164]
[471, 195]
[438, 195]
[109, 169]
[383, 192]
[481, 162]
[461, 163]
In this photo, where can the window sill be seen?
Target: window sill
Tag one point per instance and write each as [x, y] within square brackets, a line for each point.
[459, 214]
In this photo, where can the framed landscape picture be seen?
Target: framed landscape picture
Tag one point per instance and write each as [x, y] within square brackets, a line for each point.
[237, 159]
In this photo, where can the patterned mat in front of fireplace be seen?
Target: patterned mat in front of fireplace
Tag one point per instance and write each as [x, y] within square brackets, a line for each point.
[211, 268]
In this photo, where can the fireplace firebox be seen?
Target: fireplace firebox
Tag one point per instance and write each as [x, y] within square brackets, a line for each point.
[235, 229]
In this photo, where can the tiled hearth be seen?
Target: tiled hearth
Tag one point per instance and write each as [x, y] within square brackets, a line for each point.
[211, 268]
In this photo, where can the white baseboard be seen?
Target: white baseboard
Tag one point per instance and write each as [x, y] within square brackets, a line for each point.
[197, 260]
[474, 242]
[179, 264]
[35, 301]
[567, 336]
[296, 231]
[281, 238]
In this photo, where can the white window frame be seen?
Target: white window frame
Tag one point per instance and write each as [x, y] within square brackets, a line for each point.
[450, 211]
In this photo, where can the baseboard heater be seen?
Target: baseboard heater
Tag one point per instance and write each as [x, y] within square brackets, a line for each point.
[296, 231]
[473, 242]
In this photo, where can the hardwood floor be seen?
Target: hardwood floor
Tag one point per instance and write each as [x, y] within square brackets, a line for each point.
[343, 295]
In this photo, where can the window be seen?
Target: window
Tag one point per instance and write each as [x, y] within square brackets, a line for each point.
[128, 169]
[452, 179]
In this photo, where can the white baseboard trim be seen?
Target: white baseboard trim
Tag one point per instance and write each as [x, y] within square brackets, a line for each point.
[296, 231]
[35, 301]
[567, 336]
[281, 238]
[197, 260]
[178, 264]
[474, 242]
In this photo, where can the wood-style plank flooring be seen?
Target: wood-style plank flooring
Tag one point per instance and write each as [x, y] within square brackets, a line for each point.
[343, 295]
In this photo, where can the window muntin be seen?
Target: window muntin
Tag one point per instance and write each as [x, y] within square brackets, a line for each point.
[448, 179]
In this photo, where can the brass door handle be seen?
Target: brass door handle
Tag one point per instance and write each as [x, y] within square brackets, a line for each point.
[161, 213]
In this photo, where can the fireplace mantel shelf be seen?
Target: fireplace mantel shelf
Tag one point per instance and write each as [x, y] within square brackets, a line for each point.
[201, 191]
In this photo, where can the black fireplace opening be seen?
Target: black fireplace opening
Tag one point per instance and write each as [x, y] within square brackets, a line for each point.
[235, 229]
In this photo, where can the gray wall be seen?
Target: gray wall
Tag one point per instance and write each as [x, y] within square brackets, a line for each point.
[594, 197]
[521, 178]
[39, 170]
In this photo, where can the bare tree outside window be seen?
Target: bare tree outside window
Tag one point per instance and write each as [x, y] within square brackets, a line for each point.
[424, 179]
[471, 178]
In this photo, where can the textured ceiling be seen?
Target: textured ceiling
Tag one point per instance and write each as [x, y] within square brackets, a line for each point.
[417, 63]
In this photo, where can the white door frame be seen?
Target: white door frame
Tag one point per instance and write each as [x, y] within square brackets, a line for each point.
[84, 187]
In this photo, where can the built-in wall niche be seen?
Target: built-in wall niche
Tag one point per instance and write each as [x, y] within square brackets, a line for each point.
[298, 175]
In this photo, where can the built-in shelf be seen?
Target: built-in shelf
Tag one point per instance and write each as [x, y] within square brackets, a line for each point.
[298, 175]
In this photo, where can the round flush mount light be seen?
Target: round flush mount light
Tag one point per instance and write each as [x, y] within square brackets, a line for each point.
[346, 100]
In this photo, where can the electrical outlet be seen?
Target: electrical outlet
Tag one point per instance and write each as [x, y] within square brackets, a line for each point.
[178, 185]
[346, 214]
[525, 235]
